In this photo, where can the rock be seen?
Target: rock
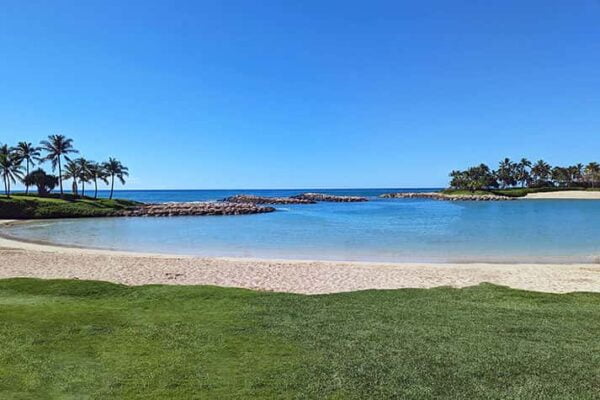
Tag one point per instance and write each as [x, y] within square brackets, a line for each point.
[328, 198]
[444, 196]
[248, 198]
[186, 209]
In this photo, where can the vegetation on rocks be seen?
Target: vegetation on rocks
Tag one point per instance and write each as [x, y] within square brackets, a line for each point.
[526, 175]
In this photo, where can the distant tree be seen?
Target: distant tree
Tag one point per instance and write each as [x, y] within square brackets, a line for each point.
[480, 177]
[114, 168]
[58, 146]
[97, 172]
[84, 172]
[507, 173]
[459, 179]
[27, 152]
[72, 171]
[561, 176]
[523, 172]
[541, 173]
[45, 183]
[592, 173]
[10, 168]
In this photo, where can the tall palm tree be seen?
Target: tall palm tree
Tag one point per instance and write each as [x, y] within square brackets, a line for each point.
[27, 152]
[97, 172]
[72, 171]
[592, 172]
[58, 146]
[10, 168]
[114, 168]
[84, 172]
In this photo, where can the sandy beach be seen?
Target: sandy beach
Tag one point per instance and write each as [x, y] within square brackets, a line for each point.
[566, 195]
[25, 259]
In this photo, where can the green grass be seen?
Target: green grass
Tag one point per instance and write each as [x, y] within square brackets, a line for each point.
[94, 340]
[19, 206]
[513, 192]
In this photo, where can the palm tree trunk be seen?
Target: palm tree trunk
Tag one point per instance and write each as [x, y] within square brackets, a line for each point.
[60, 177]
[8, 192]
[82, 188]
[5, 187]
[112, 185]
[95, 188]
[26, 185]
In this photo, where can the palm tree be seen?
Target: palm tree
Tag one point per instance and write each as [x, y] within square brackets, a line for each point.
[97, 172]
[592, 172]
[10, 168]
[523, 174]
[72, 171]
[84, 172]
[27, 152]
[114, 168]
[58, 146]
[541, 171]
[506, 174]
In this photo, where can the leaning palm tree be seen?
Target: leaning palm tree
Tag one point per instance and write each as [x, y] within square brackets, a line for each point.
[114, 168]
[97, 171]
[72, 171]
[27, 152]
[58, 146]
[10, 169]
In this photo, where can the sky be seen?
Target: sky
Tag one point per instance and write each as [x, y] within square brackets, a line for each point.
[303, 94]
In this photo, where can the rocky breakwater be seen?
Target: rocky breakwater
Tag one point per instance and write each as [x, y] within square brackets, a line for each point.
[187, 209]
[248, 198]
[445, 196]
[329, 198]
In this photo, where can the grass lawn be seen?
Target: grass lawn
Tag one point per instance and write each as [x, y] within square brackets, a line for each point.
[78, 339]
[19, 206]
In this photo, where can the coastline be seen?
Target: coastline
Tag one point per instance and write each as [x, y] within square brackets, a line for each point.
[564, 195]
[27, 259]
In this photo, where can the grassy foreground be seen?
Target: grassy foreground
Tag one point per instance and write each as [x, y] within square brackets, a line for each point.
[33, 207]
[78, 339]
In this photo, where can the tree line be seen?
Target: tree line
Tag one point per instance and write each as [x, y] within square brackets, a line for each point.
[526, 174]
[15, 163]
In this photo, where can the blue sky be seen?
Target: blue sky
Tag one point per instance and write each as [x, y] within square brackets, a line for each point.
[282, 94]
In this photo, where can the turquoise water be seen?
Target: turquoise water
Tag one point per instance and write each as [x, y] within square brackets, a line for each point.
[395, 230]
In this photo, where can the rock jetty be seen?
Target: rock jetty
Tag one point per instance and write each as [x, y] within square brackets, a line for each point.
[329, 198]
[187, 209]
[249, 198]
[444, 196]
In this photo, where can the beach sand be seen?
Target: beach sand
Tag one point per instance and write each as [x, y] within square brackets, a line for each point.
[24, 259]
[566, 194]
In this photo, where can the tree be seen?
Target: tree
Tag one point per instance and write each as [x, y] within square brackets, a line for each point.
[45, 183]
[84, 173]
[523, 172]
[562, 176]
[58, 146]
[480, 177]
[114, 168]
[592, 173]
[459, 179]
[27, 152]
[97, 172]
[72, 171]
[507, 173]
[541, 172]
[10, 168]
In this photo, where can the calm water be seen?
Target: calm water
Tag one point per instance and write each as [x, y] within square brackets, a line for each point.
[380, 230]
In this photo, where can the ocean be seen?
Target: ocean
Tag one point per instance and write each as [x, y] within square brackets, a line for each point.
[381, 230]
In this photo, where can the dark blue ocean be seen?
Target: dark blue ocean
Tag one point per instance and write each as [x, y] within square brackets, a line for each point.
[392, 230]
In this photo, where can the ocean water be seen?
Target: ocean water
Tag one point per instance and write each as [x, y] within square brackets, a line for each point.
[390, 230]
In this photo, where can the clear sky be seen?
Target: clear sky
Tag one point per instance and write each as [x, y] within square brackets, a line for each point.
[297, 94]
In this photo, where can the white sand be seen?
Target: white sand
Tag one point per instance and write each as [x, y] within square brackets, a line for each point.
[566, 194]
[21, 259]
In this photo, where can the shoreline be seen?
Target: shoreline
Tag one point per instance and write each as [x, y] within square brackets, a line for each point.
[25, 259]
